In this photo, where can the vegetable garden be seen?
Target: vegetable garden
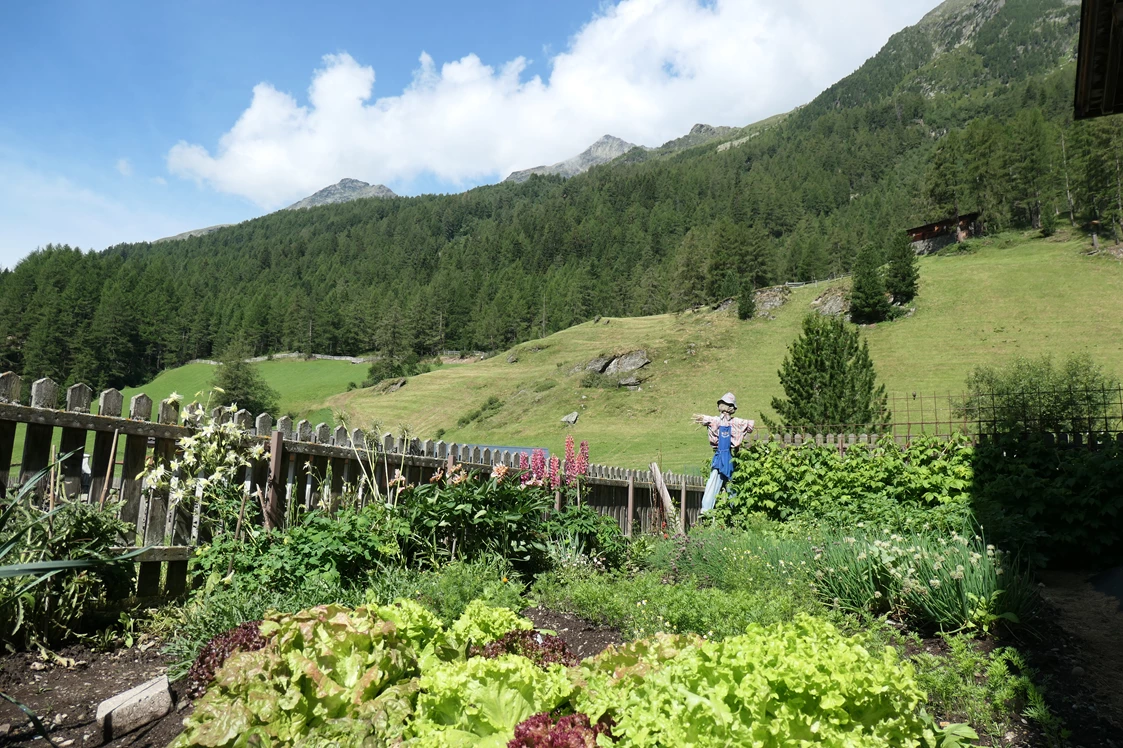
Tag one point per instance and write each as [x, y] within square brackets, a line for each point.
[864, 598]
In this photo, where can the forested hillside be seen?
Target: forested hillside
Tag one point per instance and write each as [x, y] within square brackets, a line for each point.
[968, 110]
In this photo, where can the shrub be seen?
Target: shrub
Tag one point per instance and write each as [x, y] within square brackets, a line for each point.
[238, 382]
[800, 682]
[449, 590]
[1036, 395]
[746, 302]
[597, 536]
[352, 541]
[926, 484]
[950, 584]
[904, 269]
[58, 606]
[466, 516]
[1057, 504]
[492, 406]
[594, 380]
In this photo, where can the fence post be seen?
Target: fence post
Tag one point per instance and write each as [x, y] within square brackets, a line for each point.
[682, 507]
[37, 441]
[136, 447]
[631, 504]
[101, 471]
[78, 399]
[156, 516]
[275, 511]
[9, 393]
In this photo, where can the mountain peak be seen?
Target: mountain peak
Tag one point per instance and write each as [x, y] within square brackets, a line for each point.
[345, 190]
[607, 148]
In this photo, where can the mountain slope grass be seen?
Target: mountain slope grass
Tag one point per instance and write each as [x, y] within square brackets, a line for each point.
[1011, 296]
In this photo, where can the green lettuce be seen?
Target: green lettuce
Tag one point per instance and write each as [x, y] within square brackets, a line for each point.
[479, 702]
[481, 624]
[784, 685]
[325, 671]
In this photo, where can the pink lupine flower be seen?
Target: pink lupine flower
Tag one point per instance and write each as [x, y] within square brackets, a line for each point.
[554, 475]
[583, 459]
[524, 468]
[538, 464]
[570, 461]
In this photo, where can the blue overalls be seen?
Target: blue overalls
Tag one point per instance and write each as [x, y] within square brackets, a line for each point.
[721, 469]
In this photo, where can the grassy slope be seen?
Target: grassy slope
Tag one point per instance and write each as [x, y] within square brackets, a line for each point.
[305, 386]
[1011, 297]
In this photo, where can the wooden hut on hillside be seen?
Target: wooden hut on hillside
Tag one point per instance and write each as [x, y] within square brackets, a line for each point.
[932, 237]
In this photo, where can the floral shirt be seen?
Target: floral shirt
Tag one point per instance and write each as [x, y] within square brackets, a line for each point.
[738, 427]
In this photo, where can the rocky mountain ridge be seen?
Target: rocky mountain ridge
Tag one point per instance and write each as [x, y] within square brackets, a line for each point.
[343, 191]
[607, 148]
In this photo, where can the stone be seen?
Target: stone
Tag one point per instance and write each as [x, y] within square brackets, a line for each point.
[395, 386]
[513, 358]
[1078, 671]
[134, 708]
[571, 419]
[629, 362]
[632, 381]
[832, 302]
[598, 364]
[769, 299]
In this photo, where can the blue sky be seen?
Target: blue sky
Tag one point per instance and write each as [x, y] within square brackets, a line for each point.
[129, 121]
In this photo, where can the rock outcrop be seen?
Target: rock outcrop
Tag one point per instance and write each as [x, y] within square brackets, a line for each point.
[604, 150]
[343, 191]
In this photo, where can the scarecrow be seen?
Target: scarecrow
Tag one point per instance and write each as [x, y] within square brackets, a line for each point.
[726, 435]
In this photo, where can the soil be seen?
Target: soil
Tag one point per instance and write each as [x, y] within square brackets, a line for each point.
[1078, 649]
[65, 694]
[583, 638]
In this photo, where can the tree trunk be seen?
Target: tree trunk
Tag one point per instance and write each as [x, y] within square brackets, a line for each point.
[1068, 186]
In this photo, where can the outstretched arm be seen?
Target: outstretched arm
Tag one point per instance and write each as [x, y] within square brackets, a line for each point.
[698, 418]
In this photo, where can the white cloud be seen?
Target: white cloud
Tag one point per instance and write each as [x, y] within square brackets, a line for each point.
[644, 70]
[124, 167]
[160, 181]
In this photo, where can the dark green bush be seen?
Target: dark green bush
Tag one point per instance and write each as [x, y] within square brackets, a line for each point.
[488, 409]
[599, 536]
[1062, 504]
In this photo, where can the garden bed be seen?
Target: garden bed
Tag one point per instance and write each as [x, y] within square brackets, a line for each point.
[66, 696]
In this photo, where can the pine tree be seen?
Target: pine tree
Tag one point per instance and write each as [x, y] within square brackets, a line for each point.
[746, 303]
[241, 384]
[829, 382]
[904, 269]
[867, 293]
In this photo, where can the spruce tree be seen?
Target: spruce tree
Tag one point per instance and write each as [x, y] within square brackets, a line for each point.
[904, 269]
[829, 382]
[867, 291]
[746, 303]
[241, 384]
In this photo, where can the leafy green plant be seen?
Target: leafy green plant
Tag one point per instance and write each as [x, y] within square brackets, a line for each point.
[492, 406]
[589, 533]
[326, 673]
[793, 682]
[947, 583]
[465, 516]
[58, 566]
[643, 604]
[925, 484]
[985, 688]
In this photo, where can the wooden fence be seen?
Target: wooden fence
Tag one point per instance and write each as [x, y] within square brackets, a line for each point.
[305, 464]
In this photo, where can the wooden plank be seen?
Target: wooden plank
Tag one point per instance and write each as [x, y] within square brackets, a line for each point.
[631, 506]
[263, 425]
[136, 448]
[660, 488]
[29, 415]
[148, 577]
[37, 441]
[158, 554]
[682, 507]
[110, 401]
[73, 441]
[10, 386]
[274, 508]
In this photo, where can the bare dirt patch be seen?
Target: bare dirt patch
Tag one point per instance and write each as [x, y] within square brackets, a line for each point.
[66, 696]
[583, 638]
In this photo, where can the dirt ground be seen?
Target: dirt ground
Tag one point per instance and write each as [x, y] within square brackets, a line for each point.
[583, 638]
[65, 696]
